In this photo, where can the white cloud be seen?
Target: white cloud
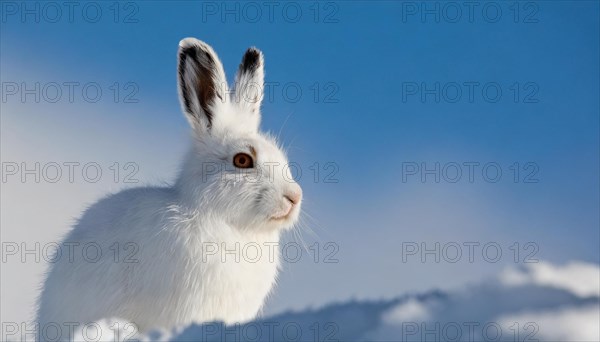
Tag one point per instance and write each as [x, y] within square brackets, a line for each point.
[582, 279]
[570, 324]
[411, 310]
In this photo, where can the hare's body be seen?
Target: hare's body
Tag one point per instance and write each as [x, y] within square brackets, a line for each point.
[202, 250]
[156, 258]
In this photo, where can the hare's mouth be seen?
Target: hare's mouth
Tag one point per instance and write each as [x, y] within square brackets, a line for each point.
[280, 218]
[284, 215]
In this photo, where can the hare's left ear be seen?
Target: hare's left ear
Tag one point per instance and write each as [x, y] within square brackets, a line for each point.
[249, 82]
[202, 84]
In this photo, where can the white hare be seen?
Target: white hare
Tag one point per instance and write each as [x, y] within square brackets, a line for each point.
[202, 250]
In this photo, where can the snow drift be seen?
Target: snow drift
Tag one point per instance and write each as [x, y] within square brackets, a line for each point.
[540, 301]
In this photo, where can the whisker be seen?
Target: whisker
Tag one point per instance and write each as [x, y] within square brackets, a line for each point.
[283, 125]
[313, 222]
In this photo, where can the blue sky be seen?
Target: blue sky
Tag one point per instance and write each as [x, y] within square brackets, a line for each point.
[361, 61]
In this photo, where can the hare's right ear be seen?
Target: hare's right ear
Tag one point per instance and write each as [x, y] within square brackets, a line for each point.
[202, 83]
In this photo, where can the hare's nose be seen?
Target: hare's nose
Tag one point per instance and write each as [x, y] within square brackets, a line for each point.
[294, 195]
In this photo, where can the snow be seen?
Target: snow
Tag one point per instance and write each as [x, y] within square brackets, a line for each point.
[540, 301]
[548, 303]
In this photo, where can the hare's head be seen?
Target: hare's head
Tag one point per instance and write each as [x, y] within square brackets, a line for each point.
[234, 173]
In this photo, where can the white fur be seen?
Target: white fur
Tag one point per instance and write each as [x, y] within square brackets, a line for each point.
[176, 280]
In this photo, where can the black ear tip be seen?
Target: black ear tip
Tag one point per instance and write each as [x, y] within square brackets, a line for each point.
[189, 46]
[190, 51]
[253, 50]
[252, 59]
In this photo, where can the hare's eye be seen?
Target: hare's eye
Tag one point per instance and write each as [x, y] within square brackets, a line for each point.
[243, 161]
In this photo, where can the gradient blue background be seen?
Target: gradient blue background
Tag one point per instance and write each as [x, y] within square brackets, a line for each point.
[368, 53]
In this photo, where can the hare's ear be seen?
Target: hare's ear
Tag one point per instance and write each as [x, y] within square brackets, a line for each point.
[249, 82]
[202, 83]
